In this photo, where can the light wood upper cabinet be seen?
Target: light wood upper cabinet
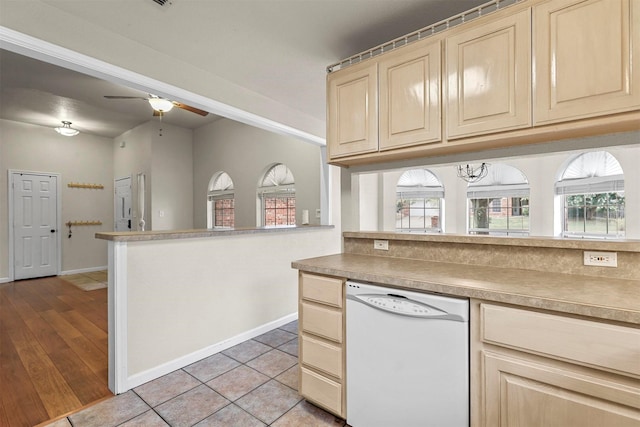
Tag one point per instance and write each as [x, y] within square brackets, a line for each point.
[352, 116]
[409, 85]
[488, 74]
[584, 54]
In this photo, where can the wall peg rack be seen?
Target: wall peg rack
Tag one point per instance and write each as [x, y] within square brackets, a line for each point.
[89, 186]
[76, 223]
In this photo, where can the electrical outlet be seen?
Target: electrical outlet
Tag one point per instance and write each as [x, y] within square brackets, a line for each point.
[318, 213]
[382, 245]
[601, 259]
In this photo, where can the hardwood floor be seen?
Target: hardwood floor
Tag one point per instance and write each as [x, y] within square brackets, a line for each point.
[53, 350]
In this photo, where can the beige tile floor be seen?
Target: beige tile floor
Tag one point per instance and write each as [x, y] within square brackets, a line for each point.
[252, 384]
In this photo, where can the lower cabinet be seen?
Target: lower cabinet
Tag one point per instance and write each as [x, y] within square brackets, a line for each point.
[321, 342]
[541, 369]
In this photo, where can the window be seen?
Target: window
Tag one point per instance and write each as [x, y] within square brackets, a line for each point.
[277, 196]
[221, 202]
[499, 202]
[419, 195]
[592, 191]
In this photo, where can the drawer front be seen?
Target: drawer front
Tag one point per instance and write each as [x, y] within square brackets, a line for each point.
[321, 390]
[326, 290]
[322, 356]
[598, 344]
[322, 321]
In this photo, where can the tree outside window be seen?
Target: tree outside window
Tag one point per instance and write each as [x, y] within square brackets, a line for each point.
[499, 202]
[592, 191]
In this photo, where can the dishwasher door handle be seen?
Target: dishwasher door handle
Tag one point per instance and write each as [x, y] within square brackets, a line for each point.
[422, 310]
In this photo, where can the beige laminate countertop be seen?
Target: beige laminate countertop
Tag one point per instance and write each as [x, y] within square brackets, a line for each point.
[610, 299]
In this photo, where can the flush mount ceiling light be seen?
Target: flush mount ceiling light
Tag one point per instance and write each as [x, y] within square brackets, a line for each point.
[66, 129]
[160, 104]
[472, 174]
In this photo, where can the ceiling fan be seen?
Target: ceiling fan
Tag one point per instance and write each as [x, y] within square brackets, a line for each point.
[161, 105]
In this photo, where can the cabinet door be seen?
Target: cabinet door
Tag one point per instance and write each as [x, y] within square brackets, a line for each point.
[584, 52]
[352, 116]
[519, 392]
[489, 76]
[410, 95]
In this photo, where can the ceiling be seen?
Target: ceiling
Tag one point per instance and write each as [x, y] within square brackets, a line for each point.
[276, 48]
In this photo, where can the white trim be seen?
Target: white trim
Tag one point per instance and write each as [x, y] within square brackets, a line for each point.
[5, 280]
[158, 371]
[35, 48]
[83, 270]
[117, 313]
[10, 206]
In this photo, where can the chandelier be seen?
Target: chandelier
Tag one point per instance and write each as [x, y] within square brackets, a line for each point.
[472, 174]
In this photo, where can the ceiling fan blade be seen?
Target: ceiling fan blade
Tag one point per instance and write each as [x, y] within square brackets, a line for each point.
[125, 97]
[190, 108]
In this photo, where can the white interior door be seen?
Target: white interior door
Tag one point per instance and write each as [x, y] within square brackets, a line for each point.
[122, 202]
[35, 223]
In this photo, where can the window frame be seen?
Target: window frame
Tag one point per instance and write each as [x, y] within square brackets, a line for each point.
[277, 190]
[424, 189]
[593, 173]
[223, 194]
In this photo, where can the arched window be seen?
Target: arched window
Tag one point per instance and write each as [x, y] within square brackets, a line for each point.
[499, 203]
[277, 195]
[592, 191]
[419, 200]
[221, 202]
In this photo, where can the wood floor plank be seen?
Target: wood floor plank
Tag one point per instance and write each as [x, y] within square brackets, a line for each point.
[96, 335]
[93, 311]
[56, 395]
[53, 368]
[84, 348]
[87, 385]
[21, 402]
[42, 330]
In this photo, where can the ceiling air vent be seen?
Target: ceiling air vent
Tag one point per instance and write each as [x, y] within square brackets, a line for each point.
[163, 2]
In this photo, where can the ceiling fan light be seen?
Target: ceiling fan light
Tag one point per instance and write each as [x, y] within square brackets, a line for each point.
[66, 129]
[161, 104]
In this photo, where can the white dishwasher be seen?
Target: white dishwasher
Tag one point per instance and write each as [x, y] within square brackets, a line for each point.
[407, 358]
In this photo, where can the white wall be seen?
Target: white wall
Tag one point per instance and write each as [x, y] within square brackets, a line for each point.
[132, 156]
[245, 153]
[172, 179]
[81, 159]
[542, 171]
[51, 23]
[187, 297]
[167, 163]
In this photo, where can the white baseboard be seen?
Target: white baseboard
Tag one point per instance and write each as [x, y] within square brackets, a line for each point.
[186, 360]
[82, 270]
[4, 280]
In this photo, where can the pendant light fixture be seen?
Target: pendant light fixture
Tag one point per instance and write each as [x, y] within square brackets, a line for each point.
[66, 129]
[470, 173]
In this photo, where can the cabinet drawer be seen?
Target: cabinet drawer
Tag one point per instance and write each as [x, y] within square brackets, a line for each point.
[322, 356]
[326, 290]
[321, 390]
[597, 344]
[322, 321]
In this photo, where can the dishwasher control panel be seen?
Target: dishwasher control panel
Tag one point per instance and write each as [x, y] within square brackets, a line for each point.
[397, 304]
